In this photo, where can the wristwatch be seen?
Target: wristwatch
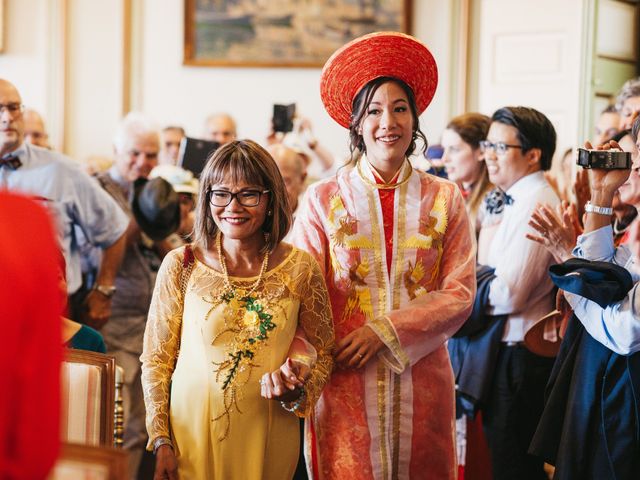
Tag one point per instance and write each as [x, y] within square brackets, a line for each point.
[106, 290]
[590, 208]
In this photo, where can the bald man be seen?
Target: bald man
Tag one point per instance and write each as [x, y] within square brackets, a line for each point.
[74, 200]
[35, 132]
[220, 127]
[293, 169]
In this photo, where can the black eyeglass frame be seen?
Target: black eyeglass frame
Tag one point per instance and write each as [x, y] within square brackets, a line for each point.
[500, 148]
[237, 197]
[13, 108]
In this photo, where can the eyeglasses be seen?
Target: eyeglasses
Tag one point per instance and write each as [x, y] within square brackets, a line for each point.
[148, 155]
[12, 108]
[246, 198]
[500, 148]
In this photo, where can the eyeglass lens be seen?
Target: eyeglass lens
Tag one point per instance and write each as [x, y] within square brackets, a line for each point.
[246, 198]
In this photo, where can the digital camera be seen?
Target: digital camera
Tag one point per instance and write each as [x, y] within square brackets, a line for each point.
[604, 159]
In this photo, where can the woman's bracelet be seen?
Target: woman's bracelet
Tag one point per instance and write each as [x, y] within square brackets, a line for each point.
[296, 405]
[161, 441]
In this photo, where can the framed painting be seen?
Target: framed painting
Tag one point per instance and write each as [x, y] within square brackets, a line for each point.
[1, 26]
[282, 33]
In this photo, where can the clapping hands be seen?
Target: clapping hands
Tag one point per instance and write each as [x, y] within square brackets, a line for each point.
[557, 231]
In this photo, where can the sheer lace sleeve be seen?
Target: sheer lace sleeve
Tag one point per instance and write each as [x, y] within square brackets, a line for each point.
[301, 350]
[316, 321]
[161, 345]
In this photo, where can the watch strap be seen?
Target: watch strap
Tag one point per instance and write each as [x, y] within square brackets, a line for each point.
[591, 208]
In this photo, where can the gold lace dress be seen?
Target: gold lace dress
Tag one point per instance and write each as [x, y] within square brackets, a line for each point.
[204, 393]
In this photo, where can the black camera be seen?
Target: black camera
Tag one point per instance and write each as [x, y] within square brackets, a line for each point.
[604, 159]
[194, 154]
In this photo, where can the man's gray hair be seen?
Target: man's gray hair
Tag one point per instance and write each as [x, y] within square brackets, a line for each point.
[630, 89]
[132, 125]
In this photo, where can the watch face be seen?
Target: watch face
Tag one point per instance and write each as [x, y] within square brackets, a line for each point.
[106, 290]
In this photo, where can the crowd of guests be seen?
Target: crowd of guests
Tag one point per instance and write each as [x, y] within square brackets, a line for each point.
[416, 322]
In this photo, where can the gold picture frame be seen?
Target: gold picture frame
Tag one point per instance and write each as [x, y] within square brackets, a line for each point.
[1, 26]
[282, 33]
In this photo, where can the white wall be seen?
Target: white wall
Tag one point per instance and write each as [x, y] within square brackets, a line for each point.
[161, 86]
[177, 94]
[24, 60]
[94, 76]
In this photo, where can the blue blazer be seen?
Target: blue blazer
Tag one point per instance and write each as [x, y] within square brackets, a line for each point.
[474, 349]
[589, 428]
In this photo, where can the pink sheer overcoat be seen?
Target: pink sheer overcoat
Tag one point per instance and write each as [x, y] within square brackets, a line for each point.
[394, 418]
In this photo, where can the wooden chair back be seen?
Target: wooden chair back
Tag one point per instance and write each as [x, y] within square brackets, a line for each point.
[87, 462]
[88, 394]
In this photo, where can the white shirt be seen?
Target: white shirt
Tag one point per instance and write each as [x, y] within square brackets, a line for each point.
[522, 287]
[617, 327]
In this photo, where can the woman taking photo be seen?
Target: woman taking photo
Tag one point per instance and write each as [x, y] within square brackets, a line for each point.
[221, 327]
[397, 254]
[463, 159]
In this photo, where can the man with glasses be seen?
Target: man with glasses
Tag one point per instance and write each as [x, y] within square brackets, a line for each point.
[76, 202]
[518, 149]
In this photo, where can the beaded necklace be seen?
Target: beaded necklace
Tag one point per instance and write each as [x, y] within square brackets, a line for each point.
[227, 281]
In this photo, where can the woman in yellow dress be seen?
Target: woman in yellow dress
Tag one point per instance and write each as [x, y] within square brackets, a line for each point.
[223, 315]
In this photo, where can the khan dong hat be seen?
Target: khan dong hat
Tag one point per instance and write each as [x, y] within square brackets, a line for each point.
[380, 54]
[156, 207]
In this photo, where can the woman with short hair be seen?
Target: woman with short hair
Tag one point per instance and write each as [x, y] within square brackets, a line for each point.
[221, 327]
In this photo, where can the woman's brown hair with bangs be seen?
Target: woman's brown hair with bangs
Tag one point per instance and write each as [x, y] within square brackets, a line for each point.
[243, 160]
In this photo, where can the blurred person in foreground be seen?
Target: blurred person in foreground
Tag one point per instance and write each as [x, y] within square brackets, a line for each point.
[31, 349]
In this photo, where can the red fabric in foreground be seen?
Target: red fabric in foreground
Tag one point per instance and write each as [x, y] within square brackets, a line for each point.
[478, 466]
[31, 348]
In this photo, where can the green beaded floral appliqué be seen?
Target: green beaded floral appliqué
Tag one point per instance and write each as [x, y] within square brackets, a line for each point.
[249, 323]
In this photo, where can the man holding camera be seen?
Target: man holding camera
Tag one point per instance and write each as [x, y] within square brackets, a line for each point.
[590, 427]
[519, 147]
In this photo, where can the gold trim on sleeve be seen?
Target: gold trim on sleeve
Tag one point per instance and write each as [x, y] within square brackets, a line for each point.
[394, 356]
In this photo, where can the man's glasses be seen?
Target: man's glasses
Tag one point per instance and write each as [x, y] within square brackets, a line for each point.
[12, 108]
[148, 155]
[500, 148]
[246, 198]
